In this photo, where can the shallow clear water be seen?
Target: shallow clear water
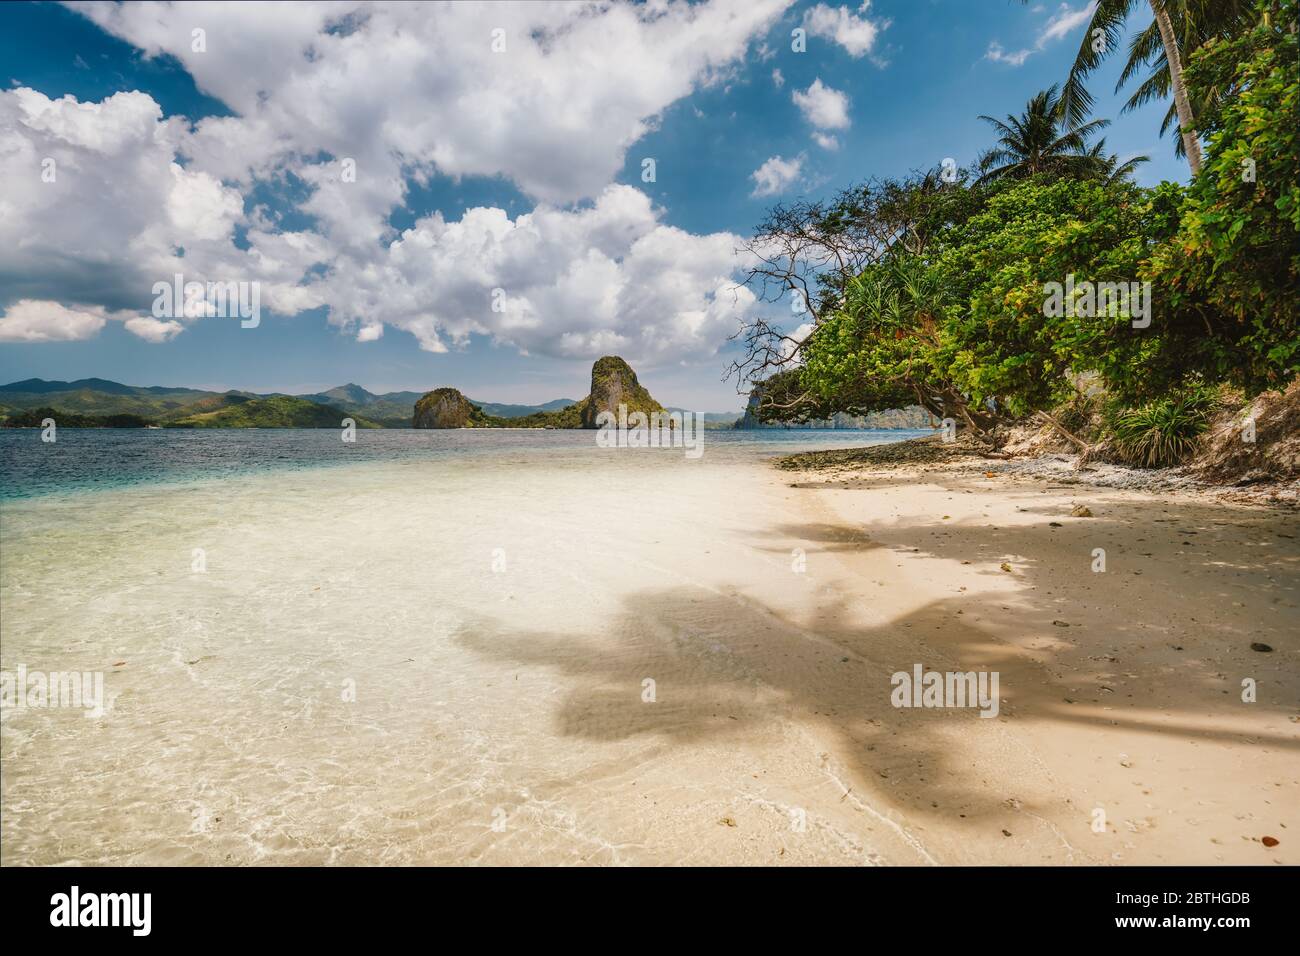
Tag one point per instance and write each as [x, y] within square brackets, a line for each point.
[95, 458]
[424, 647]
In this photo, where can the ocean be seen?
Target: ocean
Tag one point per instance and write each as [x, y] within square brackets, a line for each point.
[88, 459]
[422, 647]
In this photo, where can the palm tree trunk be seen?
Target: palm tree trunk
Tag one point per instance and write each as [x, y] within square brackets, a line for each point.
[1186, 122]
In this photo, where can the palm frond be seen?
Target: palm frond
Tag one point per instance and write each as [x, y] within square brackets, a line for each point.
[1109, 17]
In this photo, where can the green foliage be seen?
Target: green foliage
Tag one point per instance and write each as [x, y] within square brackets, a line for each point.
[280, 411]
[1002, 345]
[942, 290]
[1040, 141]
[1231, 274]
[1163, 433]
[102, 398]
[33, 417]
[613, 383]
[1194, 22]
[787, 397]
[568, 417]
[879, 350]
[966, 327]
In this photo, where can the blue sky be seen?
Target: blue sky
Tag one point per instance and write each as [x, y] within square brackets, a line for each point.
[227, 163]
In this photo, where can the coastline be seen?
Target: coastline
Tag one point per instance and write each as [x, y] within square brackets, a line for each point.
[1122, 690]
[963, 457]
[768, 608]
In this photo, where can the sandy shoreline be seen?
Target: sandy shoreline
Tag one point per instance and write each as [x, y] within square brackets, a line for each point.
[500, 716]
[1122, 688]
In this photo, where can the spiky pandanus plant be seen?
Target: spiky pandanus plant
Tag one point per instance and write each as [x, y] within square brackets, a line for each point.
[1164, 432]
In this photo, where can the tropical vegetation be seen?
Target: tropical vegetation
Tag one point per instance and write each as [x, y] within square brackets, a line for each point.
[1044, 279]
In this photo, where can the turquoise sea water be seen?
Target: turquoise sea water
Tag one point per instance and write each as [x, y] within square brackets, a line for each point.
[89, 459]
[496, 600]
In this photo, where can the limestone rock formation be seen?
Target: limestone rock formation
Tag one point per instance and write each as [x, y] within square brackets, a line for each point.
[613, 383]
[447, 408]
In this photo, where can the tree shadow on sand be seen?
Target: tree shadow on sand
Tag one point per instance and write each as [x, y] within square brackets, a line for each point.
[728, 663]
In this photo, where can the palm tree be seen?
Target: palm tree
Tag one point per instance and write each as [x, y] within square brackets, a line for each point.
[1109, 167]
[1206, 20]
[1035, 142]
[1177, 28]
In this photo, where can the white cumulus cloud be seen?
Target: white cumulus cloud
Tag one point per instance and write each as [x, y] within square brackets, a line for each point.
[853, 31]
[151, 329]
[396, 85]
[572, 282]
[30, 320]
[775, 174]
[823, 106]
[404, 92]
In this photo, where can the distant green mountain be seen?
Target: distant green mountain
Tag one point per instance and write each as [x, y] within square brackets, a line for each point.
[715, 420]
[519, 411]
[280, 411]
[101, 398]
[35, 418]
[38, 386]
[391, 410]
[394, 409]
[343, 395]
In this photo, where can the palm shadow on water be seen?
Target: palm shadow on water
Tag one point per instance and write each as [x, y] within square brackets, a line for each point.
[726, 664]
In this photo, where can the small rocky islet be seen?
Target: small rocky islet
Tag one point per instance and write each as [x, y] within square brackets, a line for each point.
[613, 383]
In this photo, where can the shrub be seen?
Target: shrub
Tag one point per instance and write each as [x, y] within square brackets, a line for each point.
[1164, 432]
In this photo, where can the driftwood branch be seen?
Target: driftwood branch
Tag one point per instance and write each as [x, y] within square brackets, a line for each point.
[1085, 449]
[1063, 431]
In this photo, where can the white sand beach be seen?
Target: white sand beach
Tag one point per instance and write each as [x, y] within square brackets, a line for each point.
[362, 677]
